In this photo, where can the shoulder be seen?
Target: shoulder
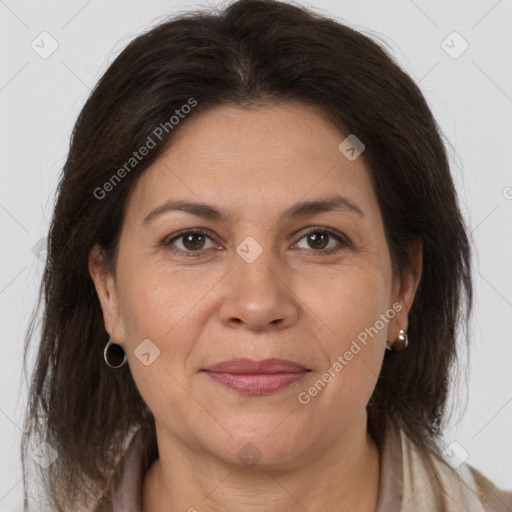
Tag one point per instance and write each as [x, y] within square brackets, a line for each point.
[466, 488]
[493, 498]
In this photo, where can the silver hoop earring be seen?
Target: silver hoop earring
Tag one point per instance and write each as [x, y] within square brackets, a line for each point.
[400, 343]
[114, 354]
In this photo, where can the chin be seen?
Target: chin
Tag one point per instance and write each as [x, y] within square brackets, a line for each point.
[258, 450]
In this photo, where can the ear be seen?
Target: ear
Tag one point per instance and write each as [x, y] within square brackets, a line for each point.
[105, 285]
[404, 287]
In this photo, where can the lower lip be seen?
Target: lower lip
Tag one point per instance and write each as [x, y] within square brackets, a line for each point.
[256, 383]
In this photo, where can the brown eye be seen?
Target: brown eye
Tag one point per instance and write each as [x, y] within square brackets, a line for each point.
[318, 241]
[191, 241]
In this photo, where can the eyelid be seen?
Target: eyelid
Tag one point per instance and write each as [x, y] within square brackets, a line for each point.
[324, 229]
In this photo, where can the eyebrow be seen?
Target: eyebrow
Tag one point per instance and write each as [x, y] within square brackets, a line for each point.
[298, 210]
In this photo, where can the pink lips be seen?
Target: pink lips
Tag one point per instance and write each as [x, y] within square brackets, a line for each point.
[256, 377]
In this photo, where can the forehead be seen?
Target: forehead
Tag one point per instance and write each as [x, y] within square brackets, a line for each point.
[252, 159]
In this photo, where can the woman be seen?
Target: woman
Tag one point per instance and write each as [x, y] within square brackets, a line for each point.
[257, 269]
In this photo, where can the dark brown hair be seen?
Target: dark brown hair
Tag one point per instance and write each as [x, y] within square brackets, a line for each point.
[253, 52]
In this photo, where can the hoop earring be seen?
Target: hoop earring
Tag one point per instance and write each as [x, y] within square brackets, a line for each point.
[400, 343]
[114, 354]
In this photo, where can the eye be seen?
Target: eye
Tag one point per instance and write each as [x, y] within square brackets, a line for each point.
[318, 239]
[192, 241]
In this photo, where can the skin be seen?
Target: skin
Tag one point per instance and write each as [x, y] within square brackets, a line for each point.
[291, 302]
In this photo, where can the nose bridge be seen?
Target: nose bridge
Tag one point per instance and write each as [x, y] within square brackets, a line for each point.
[257, 293]
[256, 263]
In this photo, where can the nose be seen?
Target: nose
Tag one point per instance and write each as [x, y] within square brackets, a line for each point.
[257, 295]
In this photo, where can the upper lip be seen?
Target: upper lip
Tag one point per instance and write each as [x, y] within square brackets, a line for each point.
[246, 365]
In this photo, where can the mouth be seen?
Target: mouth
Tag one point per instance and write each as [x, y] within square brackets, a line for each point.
[251, 377]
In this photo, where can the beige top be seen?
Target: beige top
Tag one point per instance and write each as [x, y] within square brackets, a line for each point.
[405, 485]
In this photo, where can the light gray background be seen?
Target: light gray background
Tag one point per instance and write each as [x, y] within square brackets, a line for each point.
[471, 96]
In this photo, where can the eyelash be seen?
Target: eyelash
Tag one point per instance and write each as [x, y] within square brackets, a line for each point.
[317, 229]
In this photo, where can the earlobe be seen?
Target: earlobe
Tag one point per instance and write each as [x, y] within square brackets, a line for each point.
[405, 290]
[105, 287]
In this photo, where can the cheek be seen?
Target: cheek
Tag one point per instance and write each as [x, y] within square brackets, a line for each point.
[168, 308]
[348, 306]
[156, 300]
[352, 330]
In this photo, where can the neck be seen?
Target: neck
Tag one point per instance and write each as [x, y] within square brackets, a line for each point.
[345, 476]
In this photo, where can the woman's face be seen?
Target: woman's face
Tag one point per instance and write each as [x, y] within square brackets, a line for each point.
[265, 279]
